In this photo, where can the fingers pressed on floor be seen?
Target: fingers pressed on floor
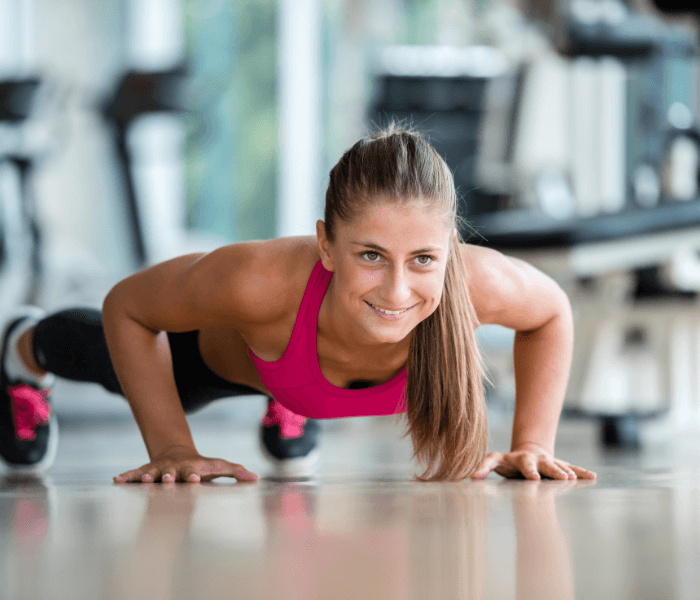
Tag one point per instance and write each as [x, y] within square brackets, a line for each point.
[554, 471]
[129, 476]
[491, 462]
[245, 475]
[531, 472]
[584, 473]
[529, 469]
[150, 475]
[190, 475]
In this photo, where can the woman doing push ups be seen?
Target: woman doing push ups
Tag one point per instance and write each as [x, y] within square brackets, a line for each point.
[375, 315]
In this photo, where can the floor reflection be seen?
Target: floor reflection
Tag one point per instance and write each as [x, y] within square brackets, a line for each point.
[25, 506]
[633, 534]
[148, 568]
[404, 542]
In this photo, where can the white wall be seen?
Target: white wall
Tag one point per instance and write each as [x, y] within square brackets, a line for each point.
[300, 116]
[79, 46]
[86, 47]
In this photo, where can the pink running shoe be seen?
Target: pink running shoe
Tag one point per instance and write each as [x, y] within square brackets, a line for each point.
[28, 430]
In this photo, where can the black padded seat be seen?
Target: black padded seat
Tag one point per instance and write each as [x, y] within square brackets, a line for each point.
[16, 97]
[527, 230]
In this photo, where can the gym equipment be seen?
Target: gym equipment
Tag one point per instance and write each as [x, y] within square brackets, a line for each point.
[633, 275]
[20, 235]
[137, 94]
[442, 91]
[628, 279]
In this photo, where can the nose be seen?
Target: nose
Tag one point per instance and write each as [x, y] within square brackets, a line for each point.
[395, 288]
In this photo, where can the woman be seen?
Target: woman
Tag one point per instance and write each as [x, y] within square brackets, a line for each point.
[374, 316]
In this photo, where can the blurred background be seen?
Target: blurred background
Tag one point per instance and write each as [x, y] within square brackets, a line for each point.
[133, 131]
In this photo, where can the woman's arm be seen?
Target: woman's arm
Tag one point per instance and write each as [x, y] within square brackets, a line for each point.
[542, 363]
[183, 294]
[146, 377]
[509, 292]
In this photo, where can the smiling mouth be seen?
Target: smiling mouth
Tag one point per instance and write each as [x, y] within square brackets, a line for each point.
[389, 312]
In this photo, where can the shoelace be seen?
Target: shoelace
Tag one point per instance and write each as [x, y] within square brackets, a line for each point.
[291, 424]
[30, 408]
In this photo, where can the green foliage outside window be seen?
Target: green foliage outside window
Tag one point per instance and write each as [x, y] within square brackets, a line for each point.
[231, 144]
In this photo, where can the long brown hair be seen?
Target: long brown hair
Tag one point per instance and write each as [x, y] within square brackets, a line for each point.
[445, 398]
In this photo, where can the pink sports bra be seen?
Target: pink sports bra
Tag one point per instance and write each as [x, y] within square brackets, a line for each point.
[296, 380]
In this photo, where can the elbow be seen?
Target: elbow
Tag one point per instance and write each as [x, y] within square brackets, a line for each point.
[565, 310]
[113, 301]
[563, 319]
[561, 314]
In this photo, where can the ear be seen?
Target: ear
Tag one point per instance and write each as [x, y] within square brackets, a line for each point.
[324, 246]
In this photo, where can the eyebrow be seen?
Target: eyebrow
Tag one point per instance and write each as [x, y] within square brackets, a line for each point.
[377, 247]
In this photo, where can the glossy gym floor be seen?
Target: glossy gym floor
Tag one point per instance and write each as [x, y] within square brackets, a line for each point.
[360, 528]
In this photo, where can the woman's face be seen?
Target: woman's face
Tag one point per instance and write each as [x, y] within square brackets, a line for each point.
[392, 258]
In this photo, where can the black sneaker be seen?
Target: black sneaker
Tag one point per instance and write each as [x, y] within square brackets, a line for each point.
[289, 440]
[28, 430]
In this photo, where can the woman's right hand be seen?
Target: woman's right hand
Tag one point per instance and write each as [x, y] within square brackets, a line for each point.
[179, 463]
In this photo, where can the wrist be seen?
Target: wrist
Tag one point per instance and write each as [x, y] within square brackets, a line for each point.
[167, 448]
[528, 445]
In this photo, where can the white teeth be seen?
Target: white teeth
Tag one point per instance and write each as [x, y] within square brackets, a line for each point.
[387, 312]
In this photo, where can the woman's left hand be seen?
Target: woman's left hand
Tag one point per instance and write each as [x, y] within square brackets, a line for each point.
[530, 461]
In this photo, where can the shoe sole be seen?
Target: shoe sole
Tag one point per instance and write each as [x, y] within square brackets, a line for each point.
[302, 466]
[52, 448]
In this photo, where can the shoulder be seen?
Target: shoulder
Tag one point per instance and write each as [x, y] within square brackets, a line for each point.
[274, 273]
[242, 285]
[476, 269]
[508, 291]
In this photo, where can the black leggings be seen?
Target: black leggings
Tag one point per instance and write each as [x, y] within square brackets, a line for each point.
[71, 344]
